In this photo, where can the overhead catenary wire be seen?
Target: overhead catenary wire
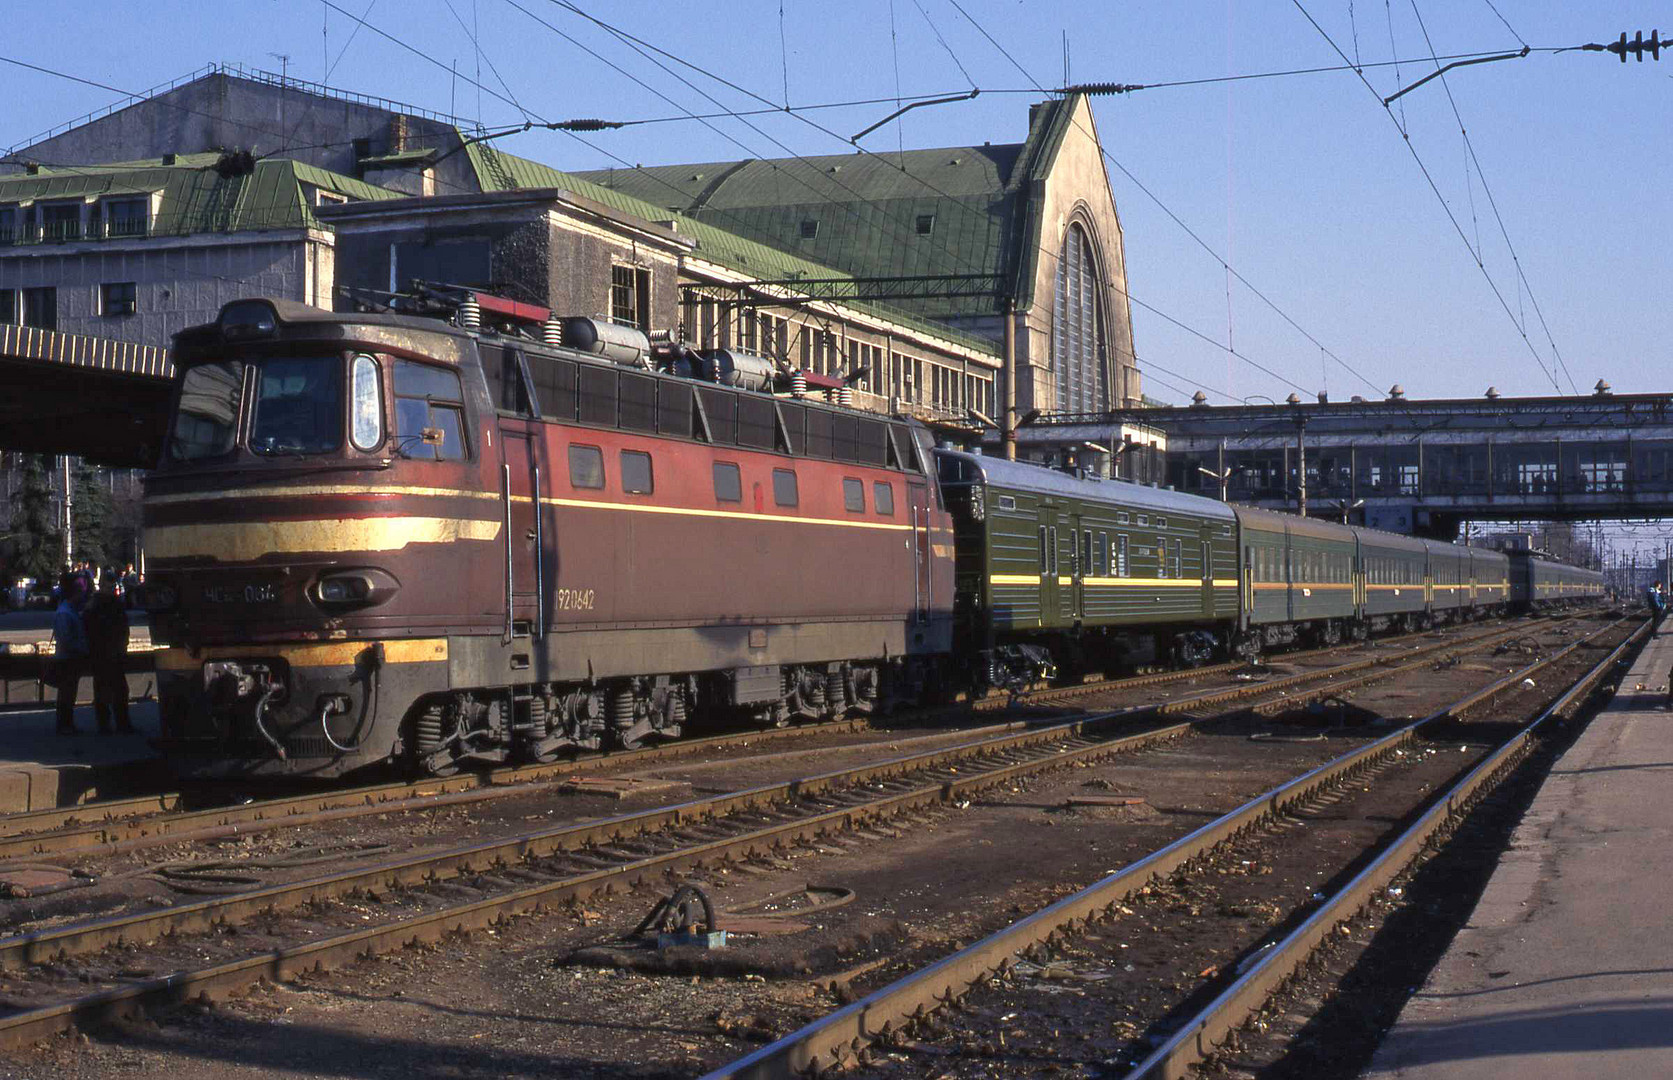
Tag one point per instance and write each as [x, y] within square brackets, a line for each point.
[1405, 137]
[1492, 202]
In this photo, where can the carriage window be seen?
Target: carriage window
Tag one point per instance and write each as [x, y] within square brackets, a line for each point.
[586, 467]
[428, 397]
[1121, 559]
[367, 404]
[883, 498]
[1043, 560]
[729, 482]
[1161, 558]
[1144, 519]
[1086, 552]
[1100, 555]
[636, 473]
[1121, 518]
[853, 495]
[1178, 555]
[784, 487]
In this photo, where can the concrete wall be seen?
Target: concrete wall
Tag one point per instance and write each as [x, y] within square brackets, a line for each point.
[227, 112]
[180, 281]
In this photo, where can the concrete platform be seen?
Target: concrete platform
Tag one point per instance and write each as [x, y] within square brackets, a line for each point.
[1566, 966]
[40, 769]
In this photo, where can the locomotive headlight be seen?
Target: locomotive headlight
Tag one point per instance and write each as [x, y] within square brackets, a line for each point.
[354, 588]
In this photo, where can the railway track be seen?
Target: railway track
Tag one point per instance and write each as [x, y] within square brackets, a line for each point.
[423, 898]
[909, 1005]
[165, 818]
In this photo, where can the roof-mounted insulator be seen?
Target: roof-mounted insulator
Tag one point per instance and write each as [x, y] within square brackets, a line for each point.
[586, 125]
[551, 331]
[470, 314]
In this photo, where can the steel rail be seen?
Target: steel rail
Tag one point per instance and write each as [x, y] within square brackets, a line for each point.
[47, 946]
[138, 821]
[1200, 1037]
[832, 1040]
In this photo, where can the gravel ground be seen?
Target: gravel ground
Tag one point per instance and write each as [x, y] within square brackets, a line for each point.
[526, 999]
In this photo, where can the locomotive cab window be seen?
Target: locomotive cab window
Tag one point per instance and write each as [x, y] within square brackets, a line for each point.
[206, 421]
[636, 473]
[853, 495]
[586, 467]
[784, 488]
[729, 482]
[297, 407]
[883, 497]
[428, 400]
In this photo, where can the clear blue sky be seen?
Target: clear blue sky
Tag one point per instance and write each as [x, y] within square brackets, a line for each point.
[1303, 182]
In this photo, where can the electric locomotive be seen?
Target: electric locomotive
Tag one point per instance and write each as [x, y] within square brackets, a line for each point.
[387, 538]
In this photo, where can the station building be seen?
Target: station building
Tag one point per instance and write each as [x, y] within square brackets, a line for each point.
[922, 280]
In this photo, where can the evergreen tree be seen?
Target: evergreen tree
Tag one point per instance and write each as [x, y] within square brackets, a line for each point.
[93, 516]
[35, 540]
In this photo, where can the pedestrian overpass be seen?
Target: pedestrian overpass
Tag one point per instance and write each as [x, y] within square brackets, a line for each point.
[1413, 466]
[103, 400]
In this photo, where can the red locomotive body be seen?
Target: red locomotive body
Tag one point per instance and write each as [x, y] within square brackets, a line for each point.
[380, 537]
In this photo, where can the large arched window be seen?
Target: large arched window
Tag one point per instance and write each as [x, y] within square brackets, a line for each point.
[1077, 328]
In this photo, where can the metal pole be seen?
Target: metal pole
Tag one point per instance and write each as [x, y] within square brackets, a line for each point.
[1008, 416]
[1224, 475]
[69, 515]
[1301, 466]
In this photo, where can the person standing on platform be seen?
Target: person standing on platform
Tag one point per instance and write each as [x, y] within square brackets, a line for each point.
[69, 649]
[107, 645]
[1658, 603]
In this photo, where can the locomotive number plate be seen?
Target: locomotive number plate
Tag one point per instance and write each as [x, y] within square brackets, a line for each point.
[241, 594]
[575, 599]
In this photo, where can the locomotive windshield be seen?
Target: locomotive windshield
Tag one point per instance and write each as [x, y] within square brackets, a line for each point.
[207, 421]
[296, 407]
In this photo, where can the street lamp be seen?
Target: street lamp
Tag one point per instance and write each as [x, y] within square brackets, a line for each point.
[1345, 506]
[1222, 478]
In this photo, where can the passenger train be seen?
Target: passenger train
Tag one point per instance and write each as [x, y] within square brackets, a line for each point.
[393, 538]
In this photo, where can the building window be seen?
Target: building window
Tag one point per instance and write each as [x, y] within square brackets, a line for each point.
[636, 473]
[729, 483]
[784, 487]
[323, 197]
[630, 296]
[40, 308]
[586, 467]
[127, 217]
[8, 225]
[8, 307]
[926, 224]
[61, 221]
[810, 229]
[1077, 330]
[118, 298]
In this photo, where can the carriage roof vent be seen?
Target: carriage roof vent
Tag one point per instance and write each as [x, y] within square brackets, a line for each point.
[1199, 400]
[1602, 389]
[1396, 393]
[1492, 393]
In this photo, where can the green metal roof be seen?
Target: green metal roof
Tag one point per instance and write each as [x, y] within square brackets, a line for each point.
[864, 210]
[195, 198]
[729, 247]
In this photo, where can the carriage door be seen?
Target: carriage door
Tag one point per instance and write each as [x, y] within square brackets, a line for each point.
[1206, 549]
[923, 562]
[529, 539]
[1048, 566]
[1079, 553]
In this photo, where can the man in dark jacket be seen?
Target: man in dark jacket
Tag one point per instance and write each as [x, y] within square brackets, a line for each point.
[107, 646]
[69, 650]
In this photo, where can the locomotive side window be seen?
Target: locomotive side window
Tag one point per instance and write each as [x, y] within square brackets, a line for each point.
[298, 406]
[883, 497]
[784, 488]
[729, 482]
[366, 397]
[854, 495]
[429, 397]
[636, 473]
[586, 467]
[207, 421]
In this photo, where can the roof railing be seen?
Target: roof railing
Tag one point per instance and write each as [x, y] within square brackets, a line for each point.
[252, 75]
